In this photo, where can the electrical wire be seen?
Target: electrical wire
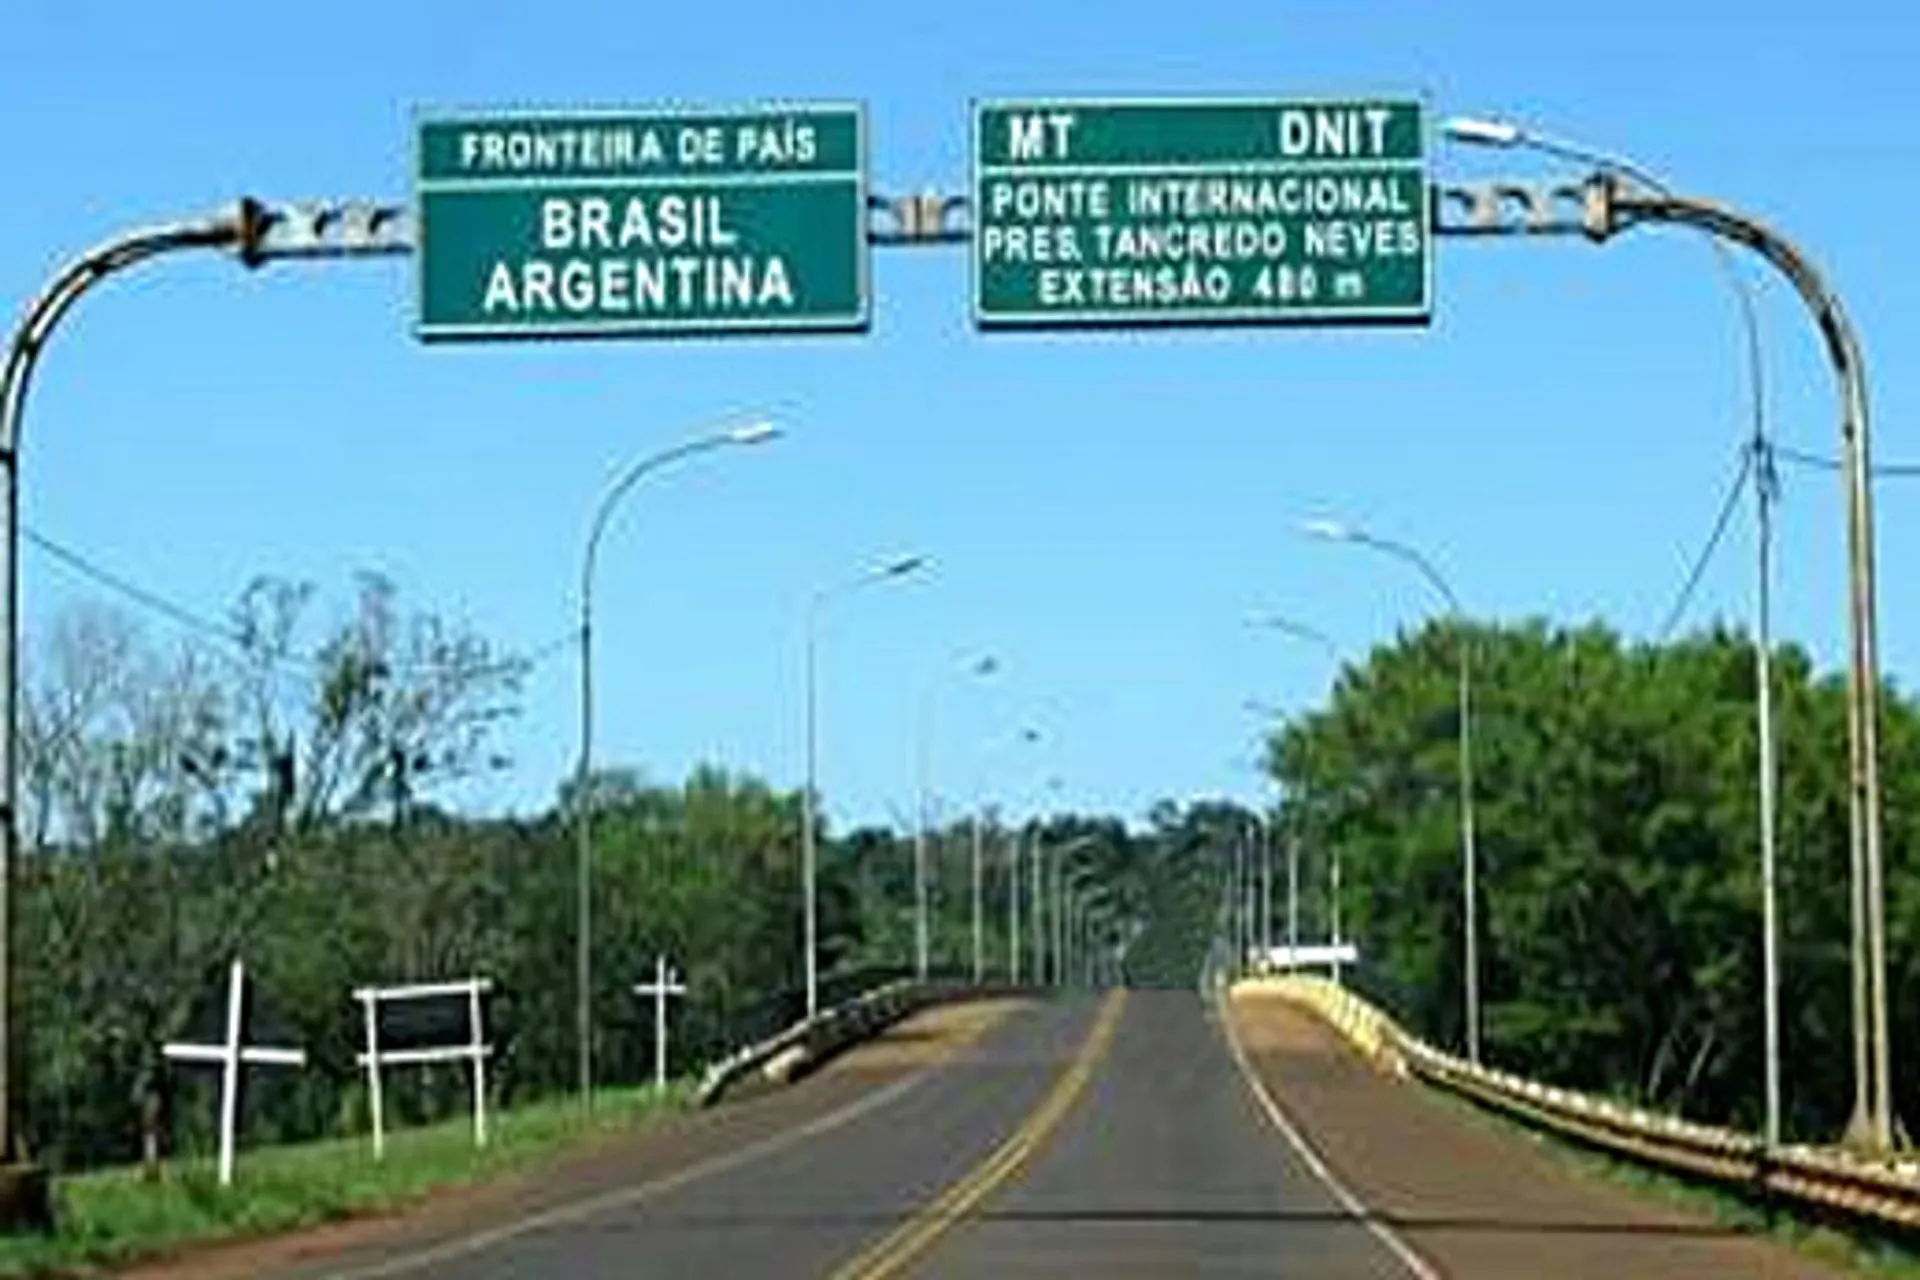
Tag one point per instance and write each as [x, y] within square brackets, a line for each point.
[86, 568]
[1802, 457]
[303, 665]
[1700, 562]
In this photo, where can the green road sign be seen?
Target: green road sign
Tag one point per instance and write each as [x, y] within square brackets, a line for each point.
[1111, 213]
[586, 224]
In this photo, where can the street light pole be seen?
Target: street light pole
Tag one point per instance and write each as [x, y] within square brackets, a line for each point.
[1037, 893]
[1765, 491]
[1265, 832]
[809, 857]
[1293, 895]
[1333, 914]
[981, 667]
[751, 433]
[922, 939]
[1060, 930]
[979, 903]
[1063, 889]
[1013, 905]
[1336, 532]
[1301, 631]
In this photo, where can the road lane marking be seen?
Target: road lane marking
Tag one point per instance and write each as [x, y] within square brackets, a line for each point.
[1408, 1257]
[625, 1197]
[915, 1236]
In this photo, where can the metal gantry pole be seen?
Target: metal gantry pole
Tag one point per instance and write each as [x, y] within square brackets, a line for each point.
[1503, 133]
[42, 315]
[1603, 210]
[257, 233]
[1613, 209]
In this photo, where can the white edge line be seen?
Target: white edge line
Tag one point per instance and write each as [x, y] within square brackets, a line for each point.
[1408, 1256]
[560, 1215]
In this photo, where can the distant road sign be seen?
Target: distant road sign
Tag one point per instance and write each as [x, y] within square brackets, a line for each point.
[1284, 957]
[591, 224]
[1109, 213]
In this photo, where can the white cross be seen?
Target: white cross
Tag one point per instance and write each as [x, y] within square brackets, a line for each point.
[229, 1057]
[665, 983]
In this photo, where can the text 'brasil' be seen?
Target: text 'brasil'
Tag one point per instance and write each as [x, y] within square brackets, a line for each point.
[644, 223]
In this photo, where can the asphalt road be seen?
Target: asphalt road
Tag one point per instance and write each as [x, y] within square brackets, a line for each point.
[1165, 1168]
[1084, 1136]
[1118, 1135]
[844, 1166]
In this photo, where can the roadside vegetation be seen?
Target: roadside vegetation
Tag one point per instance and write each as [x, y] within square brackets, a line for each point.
[292, 787]
[122, 1215]
[1618, 860]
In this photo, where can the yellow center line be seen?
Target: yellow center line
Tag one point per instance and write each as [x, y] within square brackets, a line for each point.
[915, 1236]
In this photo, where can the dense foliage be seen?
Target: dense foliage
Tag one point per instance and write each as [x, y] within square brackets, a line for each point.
[185, 807]
[283, 804]
[290, 806]
[1618, 858]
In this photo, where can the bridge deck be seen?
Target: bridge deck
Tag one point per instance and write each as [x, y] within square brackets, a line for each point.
[1467, 1193]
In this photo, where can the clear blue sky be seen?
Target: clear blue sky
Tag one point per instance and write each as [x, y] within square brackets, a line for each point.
[1103, 511]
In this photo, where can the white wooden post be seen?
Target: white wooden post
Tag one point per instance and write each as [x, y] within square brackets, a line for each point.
[370, 1003]
[476, 1050]
[665, 983]
[230, 1071]
[230, 1055]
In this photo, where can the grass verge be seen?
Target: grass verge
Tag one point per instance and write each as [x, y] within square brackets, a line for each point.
[1855, 1250]
[117, 1216]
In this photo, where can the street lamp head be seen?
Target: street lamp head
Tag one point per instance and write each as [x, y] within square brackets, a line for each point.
[756, 432]
[902, 567]
[1483, 132]
[985, 665]
[1330, 530]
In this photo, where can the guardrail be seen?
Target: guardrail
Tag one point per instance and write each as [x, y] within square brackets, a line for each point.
[1828, 1179]
[786, 1054]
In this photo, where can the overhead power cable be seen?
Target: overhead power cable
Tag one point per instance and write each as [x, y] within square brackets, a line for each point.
[301, 664]
[1701, 561]
[100, 576]
[1802, 457]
